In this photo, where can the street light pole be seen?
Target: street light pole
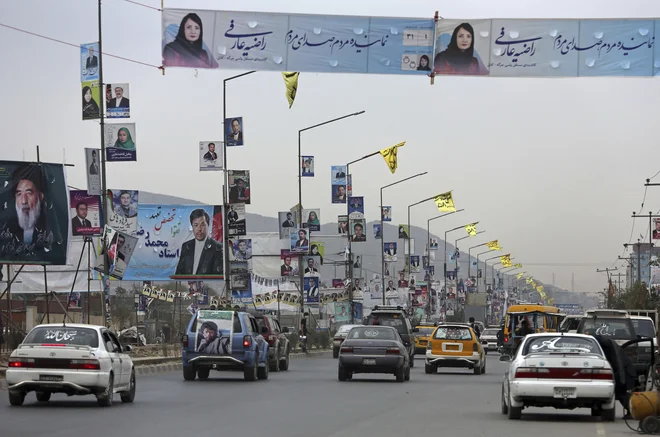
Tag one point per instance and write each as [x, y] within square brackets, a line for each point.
[478, 255]
[486, 270]
[445, 257]
[456, 246]
[382, 230]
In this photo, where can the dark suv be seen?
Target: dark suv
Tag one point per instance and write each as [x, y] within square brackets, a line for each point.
[278, 344]
[395, 316]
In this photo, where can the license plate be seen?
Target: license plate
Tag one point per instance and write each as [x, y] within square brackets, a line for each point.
[51, 377]
[370, 361]
[452, 347]
[564, 392]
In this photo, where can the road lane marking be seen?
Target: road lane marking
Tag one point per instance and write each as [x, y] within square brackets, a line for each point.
[600, 430]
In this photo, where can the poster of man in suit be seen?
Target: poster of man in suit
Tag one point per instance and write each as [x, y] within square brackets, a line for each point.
[211, 156]
[116, 253]
[117, 103]
[234, 131]
[86, 217]
[89, 62]
[201, 255]
[239, 186]
[299, 240]
[289, 265]
[287, 221]
[93, 166]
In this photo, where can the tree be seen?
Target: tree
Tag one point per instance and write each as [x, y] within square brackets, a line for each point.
[122, 308]
[637, 297]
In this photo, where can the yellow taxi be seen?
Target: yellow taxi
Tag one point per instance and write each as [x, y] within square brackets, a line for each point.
[454, 345]
[422, 337]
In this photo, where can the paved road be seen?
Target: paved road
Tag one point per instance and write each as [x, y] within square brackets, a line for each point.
[306, 401]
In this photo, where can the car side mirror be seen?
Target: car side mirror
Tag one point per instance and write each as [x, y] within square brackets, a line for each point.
[505, 358]
[285, 330]
[264, 330]
[128, 348]
[415, 330]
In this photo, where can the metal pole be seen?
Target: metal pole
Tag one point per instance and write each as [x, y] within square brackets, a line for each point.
[650, 248]
[382, 247]
[300, 221]
[351, 286]
[639, 271]
[88, 244]
[9, 309]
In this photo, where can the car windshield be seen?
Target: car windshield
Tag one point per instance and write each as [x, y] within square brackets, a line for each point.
[371, 333]
[452, 333]
[490, 332]
[424, 331]
[561, 344]
[570, 324]
[394, 320]
[63, 335]
[644, 327]
[616, 329]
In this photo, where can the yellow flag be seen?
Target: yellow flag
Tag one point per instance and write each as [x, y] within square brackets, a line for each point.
[471, 229]
[539, 288]
[291, 82]
[494, 245]
[389, 155]
[518, 266]
[551, 300]
[506, 260]
[530, 280]
[445, 202]
[520, 275]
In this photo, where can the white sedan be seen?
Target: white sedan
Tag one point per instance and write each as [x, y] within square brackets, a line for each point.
[559, 370]
[71, 359]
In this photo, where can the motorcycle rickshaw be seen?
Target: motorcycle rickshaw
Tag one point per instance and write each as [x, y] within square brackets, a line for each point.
[517, 324]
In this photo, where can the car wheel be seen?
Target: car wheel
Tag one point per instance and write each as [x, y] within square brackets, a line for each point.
[284, 362]
[189, 373]
[250, 372]
[400, 374]
[342, 374]
[275, 365]
[104, 399]
[428, 369]
[477, 369]
[129, 396]
[610, 416]
[349, 376]
[16, 398]
[262, 372]
[504, 406]
[412, 360]
[515, 413]
[203, 373]
[43, 396]
[408, 373]
[335, 352]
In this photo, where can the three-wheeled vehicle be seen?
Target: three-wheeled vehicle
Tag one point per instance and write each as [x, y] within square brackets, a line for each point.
[519, 323]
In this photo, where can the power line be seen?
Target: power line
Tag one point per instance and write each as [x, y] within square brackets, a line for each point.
[143, 5]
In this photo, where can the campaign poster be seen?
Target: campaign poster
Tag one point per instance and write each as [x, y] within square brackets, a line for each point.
[34, 213]
[236, 220]
[123, 211]
[211, 156]
[217, 224]
[338, 283]
[299, 240]
[311, 288]
[234, 131]
[307, 166]
[287, 221]
[338, 193]
[239, 275]
[169, 235]
[312, 265]
[433, 244]
[89, 62]
[120, 142]
[357, 311]
[386, 213]
[349, 185]
[358, 234]
[414, 264]
[91, 100]
[342, 312]
[404, 232]
[378, 231]
[86, 219]
[214, 332]
[656, 231]
[240, 249]
[117, 102]
[93, 170]
[116, 253]
[239, 186]
[312, 219]
[342, 225]
[356, 207]
[389, 249]
[317, 248]
[338, 175]
[289, 265]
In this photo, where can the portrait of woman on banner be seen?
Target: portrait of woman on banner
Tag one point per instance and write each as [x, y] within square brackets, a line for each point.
[124, 140]
[459, 57]
[90, 108]
[187, 49]
[424, 63]
[313, 222]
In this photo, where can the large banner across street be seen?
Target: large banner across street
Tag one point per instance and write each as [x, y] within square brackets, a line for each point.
[413, 46]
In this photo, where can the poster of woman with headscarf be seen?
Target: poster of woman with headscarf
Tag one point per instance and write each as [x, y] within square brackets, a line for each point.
[459, 46]
[184, 44]
[120, 142]
[312, 219]
[91, 96]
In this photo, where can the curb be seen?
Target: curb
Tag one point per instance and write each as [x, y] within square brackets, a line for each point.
[158, 365]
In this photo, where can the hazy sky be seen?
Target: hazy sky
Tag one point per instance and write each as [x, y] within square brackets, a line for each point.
[550, 167]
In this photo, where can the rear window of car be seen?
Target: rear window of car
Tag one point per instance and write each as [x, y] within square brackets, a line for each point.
[450, 333]
[345, 328]
[63, 335]
[371, 333]
[561, 344]
[644, 327]
[394, 320]
[616, 329]
[490, 332]
[425, 331]
[570, 324]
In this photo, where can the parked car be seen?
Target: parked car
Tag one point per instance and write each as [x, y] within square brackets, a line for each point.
[563, 371]
[374, 349]
[395, 316]
[224, 341]
[339, 338]
[455, 345]
[278, 343]
[489, 339]
[72, 359]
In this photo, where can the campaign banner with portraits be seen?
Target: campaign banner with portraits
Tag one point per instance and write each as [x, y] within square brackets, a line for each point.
[342, 225]
[239, 186]
[120, 142]
[236, 220]
[312, 266]
[389, 250]
[211, 156]
[299, 240]
[234, 132]
[356, 207]
[338, 193]
[290, 266]
[312, 219]
[34, 213]
[414, 264]
[117, 102]
[123, 212]
[116, 253]
[91, 100]
[386, 213]
[89, 62]
[411, 46]
[93, 170]
[433, 244]
[307, 166]
[287, 220]
[239, 275]
[86, 217]
[342, 312]
[338, 175]
[311, 288]
[317, 249]
[378, 231]
[240, 249]
[169, 240]
[357, 228]
[214, 332]
[404, 232]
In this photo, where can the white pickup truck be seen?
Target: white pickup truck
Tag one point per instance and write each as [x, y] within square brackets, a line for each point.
[71, 359]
